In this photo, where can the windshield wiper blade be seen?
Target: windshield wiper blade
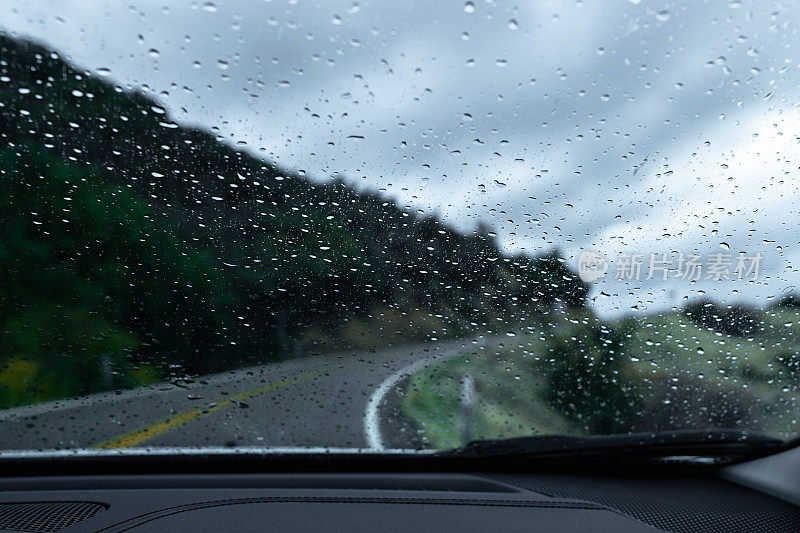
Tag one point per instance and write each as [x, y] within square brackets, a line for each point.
[726, 443]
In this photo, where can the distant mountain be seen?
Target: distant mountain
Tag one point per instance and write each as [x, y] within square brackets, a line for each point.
[132, 247]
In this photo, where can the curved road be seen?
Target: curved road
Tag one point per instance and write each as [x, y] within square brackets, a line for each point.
[322, 400]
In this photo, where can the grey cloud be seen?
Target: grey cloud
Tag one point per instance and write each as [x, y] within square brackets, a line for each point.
[593, 111]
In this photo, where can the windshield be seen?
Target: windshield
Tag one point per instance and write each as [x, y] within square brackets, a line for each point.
[396, 225]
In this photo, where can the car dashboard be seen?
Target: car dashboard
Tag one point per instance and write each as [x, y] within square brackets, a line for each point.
[503, 500]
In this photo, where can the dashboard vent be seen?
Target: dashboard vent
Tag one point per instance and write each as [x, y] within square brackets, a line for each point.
[44, 517]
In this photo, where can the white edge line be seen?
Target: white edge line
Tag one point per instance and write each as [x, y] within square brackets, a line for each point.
[372, 424]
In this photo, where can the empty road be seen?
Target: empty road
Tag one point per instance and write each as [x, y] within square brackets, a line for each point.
[331, 400]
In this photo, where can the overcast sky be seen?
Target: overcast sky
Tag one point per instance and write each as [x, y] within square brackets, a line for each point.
[619, 126]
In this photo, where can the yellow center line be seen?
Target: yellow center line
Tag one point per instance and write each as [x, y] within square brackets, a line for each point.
[159, 427]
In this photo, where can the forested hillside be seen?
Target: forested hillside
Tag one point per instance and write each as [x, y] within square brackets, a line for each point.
[134, 249]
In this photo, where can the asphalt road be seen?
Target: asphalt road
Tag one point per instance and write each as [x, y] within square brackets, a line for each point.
[312, 401]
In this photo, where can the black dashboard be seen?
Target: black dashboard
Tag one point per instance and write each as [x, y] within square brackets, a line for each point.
[388, 501]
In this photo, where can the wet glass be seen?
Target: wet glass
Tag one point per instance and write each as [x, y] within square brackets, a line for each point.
[393, 225]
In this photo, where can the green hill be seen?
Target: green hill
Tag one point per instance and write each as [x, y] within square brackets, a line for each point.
[134, 249]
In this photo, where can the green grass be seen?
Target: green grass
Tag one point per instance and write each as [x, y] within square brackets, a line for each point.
[670, 346]
[684, 375]
[507, 400]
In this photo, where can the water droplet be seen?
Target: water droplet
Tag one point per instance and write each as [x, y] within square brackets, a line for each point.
[469, 7]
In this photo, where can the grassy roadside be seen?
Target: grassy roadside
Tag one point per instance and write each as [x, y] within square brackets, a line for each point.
[507, 399]
[580, 375]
